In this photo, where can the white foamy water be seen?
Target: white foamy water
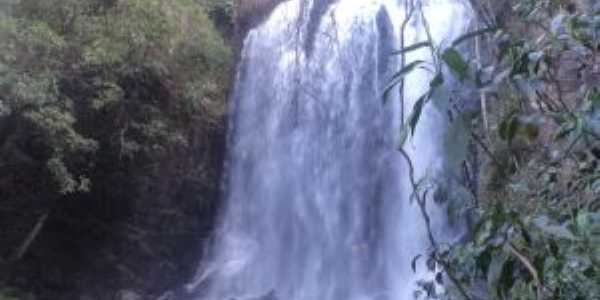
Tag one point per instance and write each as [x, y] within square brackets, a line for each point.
[316, 194]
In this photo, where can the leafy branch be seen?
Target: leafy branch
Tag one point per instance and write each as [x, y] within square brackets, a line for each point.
[422, 202]
[546, 148]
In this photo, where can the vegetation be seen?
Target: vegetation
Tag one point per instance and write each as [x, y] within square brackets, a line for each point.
[536, 233]
[103, 101]
[150, 67]
[107, 109]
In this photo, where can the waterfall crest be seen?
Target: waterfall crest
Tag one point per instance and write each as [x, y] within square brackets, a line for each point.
[316, 193]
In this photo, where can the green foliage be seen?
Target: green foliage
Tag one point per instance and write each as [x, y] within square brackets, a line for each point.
[536, 233]
[85, 81]
[451, 58]
[221, 10]
[399, 76]
[456, 63]
[563, 255]
[14, 294]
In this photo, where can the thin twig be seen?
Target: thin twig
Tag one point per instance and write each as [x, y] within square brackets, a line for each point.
[30, 238]
[470, 184]
[482, 94]
[530, 268]
[409, 10]
[485, 148]
[482, 13]
[427, 28]
[453, 278]
[570, 148]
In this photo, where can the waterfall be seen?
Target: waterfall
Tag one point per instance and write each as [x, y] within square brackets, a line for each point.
[316, 194]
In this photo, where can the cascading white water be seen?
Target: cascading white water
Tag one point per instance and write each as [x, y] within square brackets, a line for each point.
[316, 192]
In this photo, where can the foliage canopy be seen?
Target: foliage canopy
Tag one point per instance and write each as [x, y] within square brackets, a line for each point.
[89, 81]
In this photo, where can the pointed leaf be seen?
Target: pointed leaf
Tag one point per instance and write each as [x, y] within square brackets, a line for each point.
[509, 127]
[413, 264]
[506, 280]
[437, 81]
[397, 78]
[416, 114]
[484, 259]
[473, 34]
[456, 63]
[513, 127]
[403, 136]
[495, 268]
[412, 48]
[594, 97]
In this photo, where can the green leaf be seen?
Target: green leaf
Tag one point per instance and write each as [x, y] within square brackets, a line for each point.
[520, 64]
[589, 273]
[437, 81]
[484, 259]
[594, 97]
[512, 129]
[508, 127]
[403, 136]
[413, 263]
[473, 34]
[412, 48]
[397, 78]
[588, 223]
[532, 131]
[484, 232]
[539, 262]
[456, 63]
[525, 235]
[495, 269]
[506, 280]
[416, 114]
[554, 248]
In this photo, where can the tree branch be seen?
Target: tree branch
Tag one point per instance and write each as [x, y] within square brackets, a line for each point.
[485, 148]
[421, 200]
[530, 268]
[409, 11]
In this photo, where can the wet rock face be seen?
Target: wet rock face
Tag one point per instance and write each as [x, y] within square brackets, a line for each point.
[250, 13]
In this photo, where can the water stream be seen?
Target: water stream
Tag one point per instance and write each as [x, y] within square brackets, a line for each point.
[316, 193]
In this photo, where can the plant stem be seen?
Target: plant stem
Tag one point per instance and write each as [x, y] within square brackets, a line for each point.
[530, 268]
[421, 200]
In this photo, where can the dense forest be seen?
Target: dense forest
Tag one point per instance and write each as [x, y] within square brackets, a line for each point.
[112, 141]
